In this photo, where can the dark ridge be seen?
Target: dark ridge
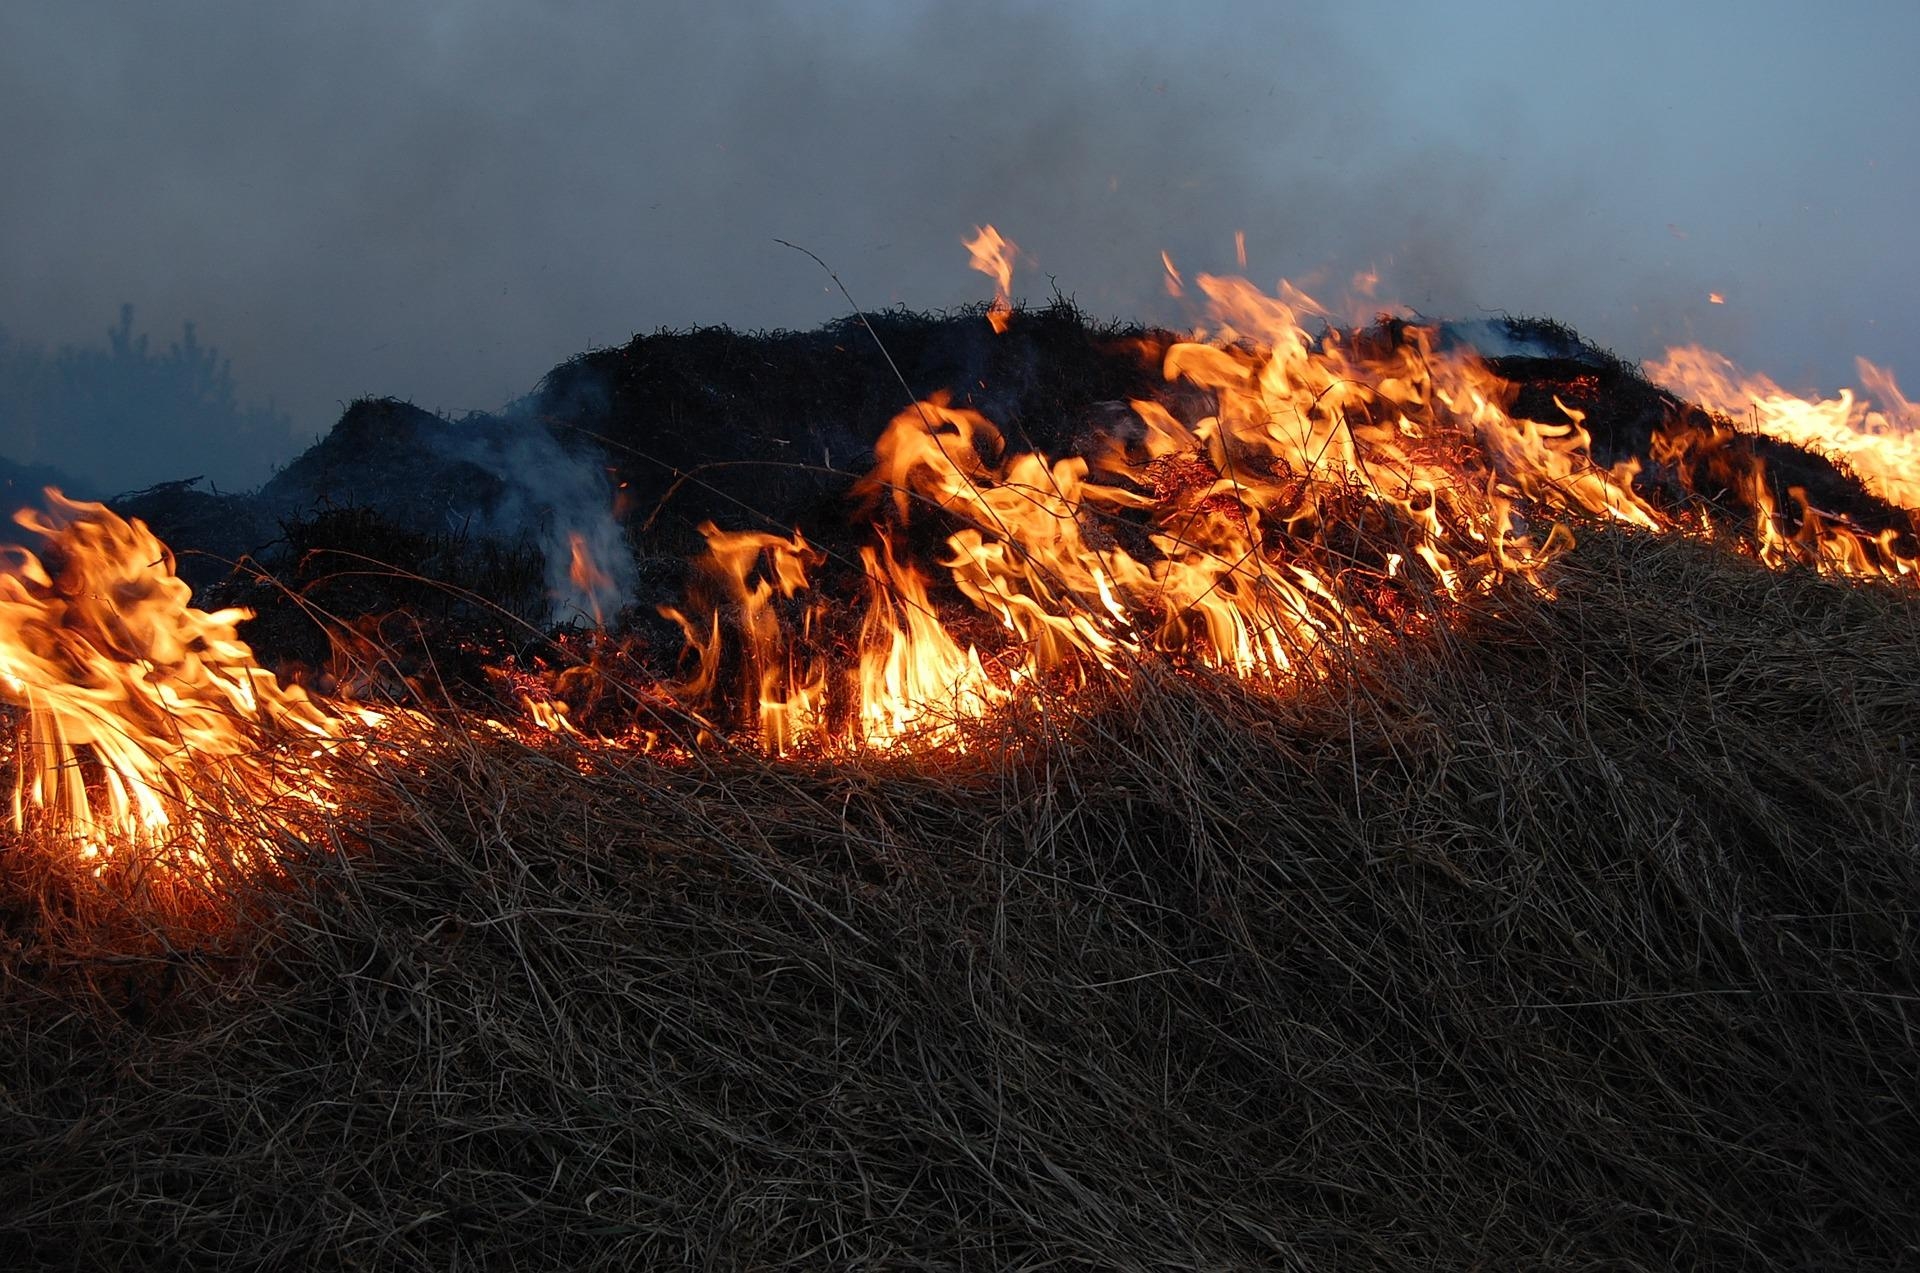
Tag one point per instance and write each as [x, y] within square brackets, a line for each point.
[770, 431]
[392, 458]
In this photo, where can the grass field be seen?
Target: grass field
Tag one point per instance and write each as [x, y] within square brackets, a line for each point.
[1580, 936]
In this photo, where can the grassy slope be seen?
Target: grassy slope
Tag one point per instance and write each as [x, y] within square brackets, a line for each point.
[1582, 938]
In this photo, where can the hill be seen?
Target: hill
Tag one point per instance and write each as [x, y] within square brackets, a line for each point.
[1542, 897]
[1582, 939]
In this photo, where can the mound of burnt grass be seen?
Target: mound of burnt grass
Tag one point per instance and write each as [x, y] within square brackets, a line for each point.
[769, 430]
[349, 594]
[1581, 937]
[403, 535]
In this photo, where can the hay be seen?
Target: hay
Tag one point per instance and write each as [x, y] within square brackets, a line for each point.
[1581, 938]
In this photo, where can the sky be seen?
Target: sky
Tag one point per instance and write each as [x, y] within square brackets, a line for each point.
[439, 200]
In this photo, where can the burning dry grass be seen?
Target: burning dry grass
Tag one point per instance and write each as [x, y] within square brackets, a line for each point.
[1583, 937]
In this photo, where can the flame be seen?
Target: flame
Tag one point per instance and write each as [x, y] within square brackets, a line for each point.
[1335, 497]
[1176, 286]
[1344, 490]
[588, 579]
[993, 256]
[1881, 445]
[1320, 496]
[144, 723]
[916, 684]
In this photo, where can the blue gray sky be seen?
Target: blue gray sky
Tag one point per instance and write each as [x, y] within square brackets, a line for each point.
[441, 200]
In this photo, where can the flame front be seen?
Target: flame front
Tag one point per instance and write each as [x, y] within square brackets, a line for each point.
[1335, 496]
[1344, 489]
[1315, 498]
[144, 723]
[1880, 444]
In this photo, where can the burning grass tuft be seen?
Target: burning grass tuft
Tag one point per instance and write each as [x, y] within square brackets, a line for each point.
[1582, 935]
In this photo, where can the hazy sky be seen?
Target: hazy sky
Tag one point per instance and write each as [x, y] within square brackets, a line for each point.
[439, 201]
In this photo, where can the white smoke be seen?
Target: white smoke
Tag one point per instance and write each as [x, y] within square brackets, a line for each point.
[565, 502]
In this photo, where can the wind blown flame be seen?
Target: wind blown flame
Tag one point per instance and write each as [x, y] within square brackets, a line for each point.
[992, 254]
[1316, 497]
[146, 730]
[1881, 444]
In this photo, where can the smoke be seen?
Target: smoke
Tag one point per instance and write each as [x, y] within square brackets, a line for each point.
[565, 502]
[441, 201]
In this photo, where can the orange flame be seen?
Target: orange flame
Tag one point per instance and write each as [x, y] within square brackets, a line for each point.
[1880, 444]
[1345, 488]
[145, 723]
[588, 579]
[1335, 496]
[993, 256]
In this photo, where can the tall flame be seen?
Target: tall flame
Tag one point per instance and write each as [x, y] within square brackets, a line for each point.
[145, 723]
[588, 579]
[992, 254]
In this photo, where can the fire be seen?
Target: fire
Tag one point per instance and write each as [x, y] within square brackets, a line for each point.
[588, 579]
[1344, 490]
[993, 256]
[1318, 496]
[1337, 496]
[1881, 445]
[147, 734]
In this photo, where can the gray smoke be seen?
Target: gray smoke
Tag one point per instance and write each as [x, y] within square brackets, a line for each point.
[439, 201]
[562, 499]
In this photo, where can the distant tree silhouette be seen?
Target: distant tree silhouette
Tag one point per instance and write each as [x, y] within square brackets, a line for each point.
[124, 416]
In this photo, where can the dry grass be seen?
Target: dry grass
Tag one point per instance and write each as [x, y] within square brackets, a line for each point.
[1585, 939]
